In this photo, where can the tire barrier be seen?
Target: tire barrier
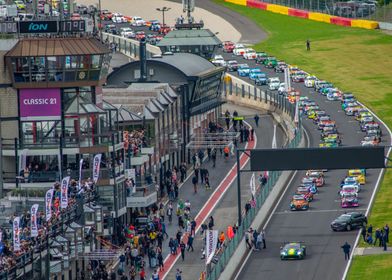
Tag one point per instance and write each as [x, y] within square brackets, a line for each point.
[283, 10]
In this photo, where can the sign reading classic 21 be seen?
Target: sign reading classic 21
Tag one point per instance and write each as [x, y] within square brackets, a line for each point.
[40, 104]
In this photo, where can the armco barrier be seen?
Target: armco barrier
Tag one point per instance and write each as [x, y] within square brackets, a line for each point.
[238, 2]
[367, 24]
[298, 13]
[320, 17]
[256, 4]
[278, 9]
[341, 21]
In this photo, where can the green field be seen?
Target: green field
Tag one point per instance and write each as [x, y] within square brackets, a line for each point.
[355, 60]
[371, 267]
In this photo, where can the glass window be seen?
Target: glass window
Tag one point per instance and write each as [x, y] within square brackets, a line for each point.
[41, 133]
[74, 62]
[95, 61]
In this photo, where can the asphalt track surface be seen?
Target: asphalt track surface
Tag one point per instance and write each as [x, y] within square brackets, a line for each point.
[251, 33]
[325, 258]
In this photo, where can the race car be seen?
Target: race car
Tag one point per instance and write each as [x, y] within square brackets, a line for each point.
[358, 174]
[261, 79]
[317, 178]
[138, 21]
[372, 126]
[260, 57]
[369, 143]
[310, 184]
[118, 18]
[363, 115]
[273, 83]
[279, 68]
[351, 180]
[232, 65]
[305, 192]
[293, 250]
[309, 81]
[253, 73]
[140, 35]
[335, 137]
[349, 200]
[270, 62]
[239, 51]
[243, 70]
[329, 143]
[333, 96]
[348, 189]
[249, 54]
[228, 46]
[321, 84]
[298, 202]
[218, 60]
[293, 69]
[298, 77]
[324, 122]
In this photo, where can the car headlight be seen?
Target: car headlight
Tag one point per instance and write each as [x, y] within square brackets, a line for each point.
[284, 253]
[299, 253]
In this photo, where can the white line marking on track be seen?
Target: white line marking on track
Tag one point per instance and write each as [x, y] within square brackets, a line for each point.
[320, 211]
[273, 211]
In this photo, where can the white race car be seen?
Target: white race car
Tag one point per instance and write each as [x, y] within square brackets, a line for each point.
[138, 21]
[218, 60]
[118, 18]
[239, 51]
[310, 80]
[250, 54]
[273, 83]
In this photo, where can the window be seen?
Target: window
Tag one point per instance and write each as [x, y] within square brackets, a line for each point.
[95, 61]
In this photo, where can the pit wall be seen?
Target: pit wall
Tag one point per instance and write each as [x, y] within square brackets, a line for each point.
[283, 10]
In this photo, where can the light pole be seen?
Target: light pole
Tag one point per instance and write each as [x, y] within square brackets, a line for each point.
[163, 10]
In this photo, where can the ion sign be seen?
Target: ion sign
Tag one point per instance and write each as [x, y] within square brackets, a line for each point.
[39, 104]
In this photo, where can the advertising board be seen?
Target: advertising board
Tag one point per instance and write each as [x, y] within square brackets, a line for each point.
[40, 104]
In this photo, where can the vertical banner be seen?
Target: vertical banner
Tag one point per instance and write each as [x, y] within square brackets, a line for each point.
[64, 192]
[48, 204]
[80, 173]
[96, 166]
[252, 184]
[16, 234]
[23, 159]
[296, 116]
[34, 226]
[211, 243]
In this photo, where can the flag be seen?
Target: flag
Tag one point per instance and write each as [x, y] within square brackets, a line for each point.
[16, 234]
[64, 192]
[80, 173]
[211, 243]
[48, 204]
[34, 226]
[252, 184]
[96, 166]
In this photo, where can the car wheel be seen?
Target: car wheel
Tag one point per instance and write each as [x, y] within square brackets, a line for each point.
[282, 258]
[348, 227]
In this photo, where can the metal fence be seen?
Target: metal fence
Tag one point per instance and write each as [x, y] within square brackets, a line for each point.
[263, 191]
[380, 11]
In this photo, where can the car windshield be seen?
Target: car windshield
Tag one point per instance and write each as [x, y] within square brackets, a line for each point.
[343, 218]
[292, 246]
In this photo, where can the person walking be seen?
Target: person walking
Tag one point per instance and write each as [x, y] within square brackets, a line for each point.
[213, 157]
[132, 273]
[384, 241]
[169, 213]
[190, 242]
[262, 233]
[259, 239]
[142, 274]
[211, 223]
[155, 275]
[160, 261]
[248, 237]
[346, 249]
[178, 274]
[257, 118]
[182, 247]
[308, 45]
[194, 182]
[377, 237]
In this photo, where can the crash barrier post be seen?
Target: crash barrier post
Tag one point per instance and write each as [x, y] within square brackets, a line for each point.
[220, 262]
[341, 21]
[278, 9]
[366, 24]
[256, 4]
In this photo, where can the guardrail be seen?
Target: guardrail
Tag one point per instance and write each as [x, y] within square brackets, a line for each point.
[128, 46]
[279, 102]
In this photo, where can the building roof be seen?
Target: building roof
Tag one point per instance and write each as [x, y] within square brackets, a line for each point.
[57, 47]
[189, 37]
[189, 64]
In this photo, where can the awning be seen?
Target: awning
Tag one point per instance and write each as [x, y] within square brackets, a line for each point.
[57, 47]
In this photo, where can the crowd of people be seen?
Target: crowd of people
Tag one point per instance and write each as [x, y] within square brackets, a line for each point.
[380, 235]
[8, 257]
[135, 140]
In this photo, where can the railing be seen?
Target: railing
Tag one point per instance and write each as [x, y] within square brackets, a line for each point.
[263, 192]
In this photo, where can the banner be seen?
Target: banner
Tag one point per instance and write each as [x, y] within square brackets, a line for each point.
[296, 116]
[80, 173]
[48, 204]
[23, 159]
[211, 242]
[252, 184]
[16, 234]
[64, 192]
[34, 226]
[96, 166]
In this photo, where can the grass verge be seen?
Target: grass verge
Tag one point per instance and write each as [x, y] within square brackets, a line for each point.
[371, 267]
[355, 60]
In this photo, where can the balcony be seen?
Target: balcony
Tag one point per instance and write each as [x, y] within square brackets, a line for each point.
[143, 197]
